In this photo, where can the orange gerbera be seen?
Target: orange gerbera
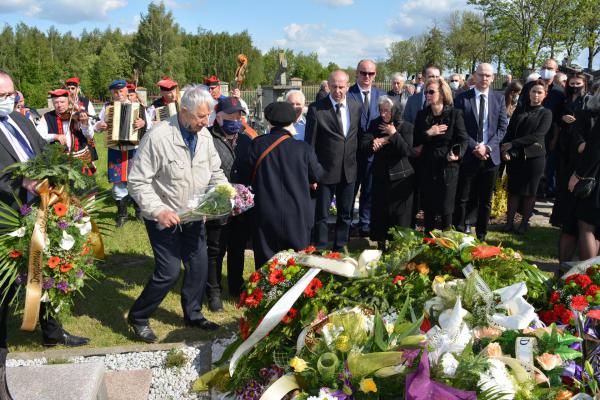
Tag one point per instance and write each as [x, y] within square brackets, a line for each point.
[66, 267]
[53, 261]
[60, 209]
[15, 254]
[483, 251]
[85, 250]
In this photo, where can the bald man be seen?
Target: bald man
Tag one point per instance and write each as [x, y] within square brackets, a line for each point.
[486, 122]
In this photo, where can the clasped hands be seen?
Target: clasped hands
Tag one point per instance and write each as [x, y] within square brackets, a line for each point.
[504, 149]
[389, 130]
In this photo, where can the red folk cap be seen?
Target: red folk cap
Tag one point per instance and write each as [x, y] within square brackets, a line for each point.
[211, 81]
[73, 80]
[166, 83]
[59, 93]
[131, 87]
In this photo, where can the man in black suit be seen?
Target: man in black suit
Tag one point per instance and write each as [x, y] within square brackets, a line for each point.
[332, 129]
[19, 141]
[485, 120]
[323, 91]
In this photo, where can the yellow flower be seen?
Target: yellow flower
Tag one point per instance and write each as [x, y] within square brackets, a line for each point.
[549, 361]
[342, 343]
[423, 268]
[368, 385]
[440, 279]
[298, 364]
[493, 350]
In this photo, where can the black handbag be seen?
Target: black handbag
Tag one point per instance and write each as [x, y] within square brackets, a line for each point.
[584, 187]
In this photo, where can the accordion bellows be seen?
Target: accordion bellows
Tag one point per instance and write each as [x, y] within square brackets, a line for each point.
[165, 112]
[120, 118]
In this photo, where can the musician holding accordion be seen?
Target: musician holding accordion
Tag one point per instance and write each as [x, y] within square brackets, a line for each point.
[69, 127]
[167, 105]
[125, 123]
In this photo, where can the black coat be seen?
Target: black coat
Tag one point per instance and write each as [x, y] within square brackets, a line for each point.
[391, 162]
[9, 157]
[283, 208]
[588, 166]
[527, 130]
[336, 153]
[228, 154]
[321, 94]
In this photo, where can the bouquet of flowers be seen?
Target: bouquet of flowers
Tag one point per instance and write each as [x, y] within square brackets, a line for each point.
[243, 200]
[212, 202]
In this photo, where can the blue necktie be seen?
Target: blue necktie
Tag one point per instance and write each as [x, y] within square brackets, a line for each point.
[190, 140]
[24, 145]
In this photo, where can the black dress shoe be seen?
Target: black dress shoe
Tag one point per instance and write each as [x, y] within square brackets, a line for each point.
[67, 340]
[214, 303]
[143, 332]
[364, 234]
[202, 323]
[4, 392]
[481, 237]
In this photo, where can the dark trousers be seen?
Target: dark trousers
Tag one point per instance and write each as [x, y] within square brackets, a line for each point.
[51, 328]
[171, 247]
[344, 194]
[231, 239]
[476, 182]
[364, 181]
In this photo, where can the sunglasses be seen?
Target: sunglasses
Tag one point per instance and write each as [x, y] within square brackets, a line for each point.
[431, 91]
[365, 73]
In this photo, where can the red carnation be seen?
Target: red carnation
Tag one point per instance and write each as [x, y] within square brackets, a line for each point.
[254, 299]
[579, 303]
[254, 277]
[567, 317]
[591, 290]
[481, 252]
[243, 297]
[548, 316]
[310, 249]
[554, 297]
[291, 261]
[425, 325]
[276, 276]
[429, 240]
[290, 316]
[15, 254]
[335, 255]
[244, 328]
[399, 278]
[581, 280]
[313, 287]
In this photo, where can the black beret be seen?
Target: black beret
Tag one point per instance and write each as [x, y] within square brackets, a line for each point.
[280, 113]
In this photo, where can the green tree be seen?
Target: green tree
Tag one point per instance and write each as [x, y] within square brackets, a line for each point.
[590, 32]
[407, 55]
[433, 51]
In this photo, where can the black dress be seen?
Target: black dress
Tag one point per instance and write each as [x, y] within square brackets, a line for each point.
[526, 132]
[393, 178]
[569, 139]
[439, 177]
[588, 209]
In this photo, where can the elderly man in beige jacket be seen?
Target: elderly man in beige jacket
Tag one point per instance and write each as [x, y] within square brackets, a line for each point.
[176, 159]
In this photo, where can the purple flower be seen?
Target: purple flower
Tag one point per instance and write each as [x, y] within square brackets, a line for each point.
[63, 285]
[80, 273]
[25, 210]
[63, 224]
[79, 216]
[21, 279]
[572, 370]
[48, 283]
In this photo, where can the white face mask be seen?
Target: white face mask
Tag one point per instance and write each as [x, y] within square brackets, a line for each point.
[454, 85]
[547, 74]
[7, 106]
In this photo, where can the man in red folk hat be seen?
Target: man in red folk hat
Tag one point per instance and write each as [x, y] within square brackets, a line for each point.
[84, 104]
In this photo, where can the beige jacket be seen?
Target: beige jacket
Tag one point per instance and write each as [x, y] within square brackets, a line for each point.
[163, 176]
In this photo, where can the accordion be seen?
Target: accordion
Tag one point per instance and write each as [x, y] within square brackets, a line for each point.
[165, 112]
[120, 118]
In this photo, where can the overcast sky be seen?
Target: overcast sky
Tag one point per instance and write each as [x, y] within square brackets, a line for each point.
[342, 31]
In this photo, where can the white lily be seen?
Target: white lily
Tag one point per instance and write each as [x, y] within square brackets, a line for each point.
[67, 241]
[85, 227]
[18, 233]
[519, 313]
[467, 240]
[449, 364]
[452, 335]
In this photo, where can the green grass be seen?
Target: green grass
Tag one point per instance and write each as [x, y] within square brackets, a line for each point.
[100, 315]
[175, 359]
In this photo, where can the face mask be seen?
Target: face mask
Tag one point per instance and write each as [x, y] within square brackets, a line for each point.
[515, 98]
[232, 127]
[6, 106]
[454, 85]
[547, 74]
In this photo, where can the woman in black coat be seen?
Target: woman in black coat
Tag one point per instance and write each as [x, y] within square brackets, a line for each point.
[568, 146]
[391, 140]
[525, 152]
[587, 210]
[440, 141]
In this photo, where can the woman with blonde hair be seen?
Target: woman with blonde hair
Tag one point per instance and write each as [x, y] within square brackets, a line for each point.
[440, 140]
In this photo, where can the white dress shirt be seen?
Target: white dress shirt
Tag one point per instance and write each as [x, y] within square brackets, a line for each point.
[42, 129]
[345, 113]
[486, 123]
[14, 142]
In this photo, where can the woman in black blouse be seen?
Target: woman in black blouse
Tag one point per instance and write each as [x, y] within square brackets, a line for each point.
[440, 142]
[390, 139]
[587, 210]
[525, 152]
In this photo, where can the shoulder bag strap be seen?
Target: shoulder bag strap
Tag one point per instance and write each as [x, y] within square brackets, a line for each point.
[265, 153]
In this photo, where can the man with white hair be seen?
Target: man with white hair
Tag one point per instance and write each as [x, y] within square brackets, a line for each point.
[398, 93]
[296, 99]
[175, 159]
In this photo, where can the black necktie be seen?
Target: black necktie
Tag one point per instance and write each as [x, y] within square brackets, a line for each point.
[481, 113]
[338, 114]
[366, 103]
[24, 145]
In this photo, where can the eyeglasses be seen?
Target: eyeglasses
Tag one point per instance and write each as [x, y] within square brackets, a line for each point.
[454, 80]
[431, 91]
[365, 73]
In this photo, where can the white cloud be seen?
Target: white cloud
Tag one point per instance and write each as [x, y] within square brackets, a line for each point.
[176, 5]
[344, 47]
[416, 16]
[337, 3]
[64, 11]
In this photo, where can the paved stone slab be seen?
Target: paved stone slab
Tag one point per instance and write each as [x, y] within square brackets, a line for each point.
[58, 382]
[128, 385]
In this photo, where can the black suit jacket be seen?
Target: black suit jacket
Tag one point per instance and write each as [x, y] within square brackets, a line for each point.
[8, 156]
[336, 153]
[497, 121]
